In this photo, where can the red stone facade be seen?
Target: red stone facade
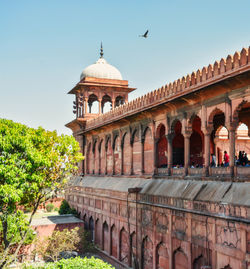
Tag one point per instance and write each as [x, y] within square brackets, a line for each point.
[178, 216]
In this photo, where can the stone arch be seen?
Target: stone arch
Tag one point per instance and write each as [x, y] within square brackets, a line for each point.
[198, 262]
[162, 145]
[89, 156]
[162, 257]
[119, 100]
[216, 111]
[124, 246]
[132, 248]
[227, 267]
[92, 100]
[136, 151]
[196, 142]
[105, 237]
[126, 151]
[147, 253]
[96, 157]
[102, 157]
[106, 103]
[178, 143]
[109, 152]
[148, 147]
[113, 241]
[241, 113]
[98, 232]
[180, 260]
[117, 155]
[91, 228]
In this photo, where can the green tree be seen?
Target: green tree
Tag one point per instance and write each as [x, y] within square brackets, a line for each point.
[35, 165]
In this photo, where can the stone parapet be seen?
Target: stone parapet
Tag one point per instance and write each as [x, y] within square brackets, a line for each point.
[219, 71]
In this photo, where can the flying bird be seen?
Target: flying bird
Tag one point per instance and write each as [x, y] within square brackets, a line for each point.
[145, 35]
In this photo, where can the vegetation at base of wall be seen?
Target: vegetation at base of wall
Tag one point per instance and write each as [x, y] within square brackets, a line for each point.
[66, 209]
[51, 247]
[35, 165]
[49, 207]
[74, 263]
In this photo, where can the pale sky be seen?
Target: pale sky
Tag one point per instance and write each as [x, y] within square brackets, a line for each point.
[46, 44]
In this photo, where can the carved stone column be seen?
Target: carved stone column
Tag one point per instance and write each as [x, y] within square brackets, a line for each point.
[231, 131]
[170, 138]
[85, 105]
[100, 106]
[113, 104]
[207, 135]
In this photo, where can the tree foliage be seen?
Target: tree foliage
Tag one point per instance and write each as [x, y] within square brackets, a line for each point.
[75, 263]
[35, 164]
[66, 209]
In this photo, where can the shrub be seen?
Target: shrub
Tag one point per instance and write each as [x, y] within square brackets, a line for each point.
[76, 263]
[66, 209]
[51, 246]
[49, 207]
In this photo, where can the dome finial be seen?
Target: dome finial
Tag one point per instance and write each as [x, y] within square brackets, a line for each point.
[101, 52]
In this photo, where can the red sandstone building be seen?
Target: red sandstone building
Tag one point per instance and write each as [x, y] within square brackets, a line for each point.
[146, 189]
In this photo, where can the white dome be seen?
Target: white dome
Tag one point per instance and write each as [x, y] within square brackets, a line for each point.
[101, 69]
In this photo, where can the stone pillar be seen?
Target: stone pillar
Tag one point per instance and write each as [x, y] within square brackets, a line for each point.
[186, 152]
[113, 104]
[231, 132]
[207, 135]
[85, 105]
[106, 159]
[156, 140]
[100, 106]
[170, 138]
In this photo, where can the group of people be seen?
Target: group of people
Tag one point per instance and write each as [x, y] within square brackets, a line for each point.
[242, 159]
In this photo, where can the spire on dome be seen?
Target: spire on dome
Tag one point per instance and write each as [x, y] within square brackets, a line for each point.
[101, 52]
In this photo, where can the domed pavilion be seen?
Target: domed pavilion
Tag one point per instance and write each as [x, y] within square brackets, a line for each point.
[101, 82]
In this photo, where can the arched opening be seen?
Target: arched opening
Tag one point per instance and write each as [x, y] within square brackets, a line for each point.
[196, 143]
[126, 155]
[148, 152]
[217, 146]
[106, 103]
[198, 262]
[147, 253]
[162, 258]
[124, 246]
[117, 155]
[98, 234]
[132, 248]
[162, 146]
[89, 155]
[109, 157]
[105, 237]
[91, 229]
[86, 226]
[178, 145]
[93, 104]
[227, 267]
[102, 157]
[113, 241]
[119, 100]
[180, 260]
[136, 144]
[242, 145]
[96, 158]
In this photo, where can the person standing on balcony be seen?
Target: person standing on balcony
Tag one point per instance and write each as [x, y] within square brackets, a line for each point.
[226, 159]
